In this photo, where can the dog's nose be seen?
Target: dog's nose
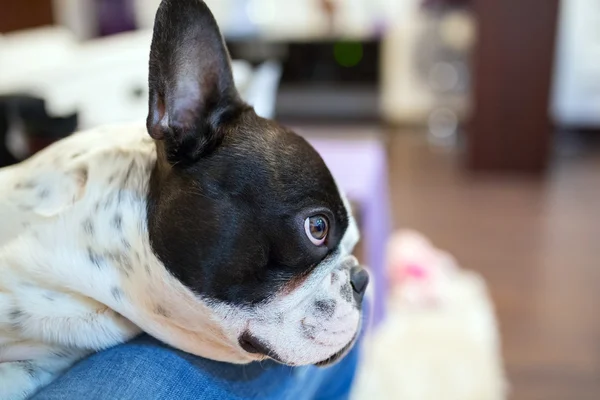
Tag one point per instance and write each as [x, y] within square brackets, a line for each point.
[359, 278]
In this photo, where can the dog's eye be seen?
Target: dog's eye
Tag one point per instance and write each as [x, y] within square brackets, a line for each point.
[316, 228]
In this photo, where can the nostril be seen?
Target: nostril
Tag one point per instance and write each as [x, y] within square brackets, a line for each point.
[359, 278]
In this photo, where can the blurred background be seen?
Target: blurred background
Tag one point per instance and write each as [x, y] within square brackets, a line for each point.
[473, 122]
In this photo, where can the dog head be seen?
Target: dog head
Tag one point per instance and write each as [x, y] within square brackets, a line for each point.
[243, 211]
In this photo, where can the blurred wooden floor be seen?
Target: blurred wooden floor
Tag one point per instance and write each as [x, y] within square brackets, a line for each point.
[538, 246]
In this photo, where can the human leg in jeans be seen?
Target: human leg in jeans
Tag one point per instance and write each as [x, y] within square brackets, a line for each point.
[149, 370]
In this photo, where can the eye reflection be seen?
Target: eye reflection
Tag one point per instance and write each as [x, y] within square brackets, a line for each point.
[316, 229]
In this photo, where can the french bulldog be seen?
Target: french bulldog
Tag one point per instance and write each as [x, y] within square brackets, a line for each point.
[218, 232]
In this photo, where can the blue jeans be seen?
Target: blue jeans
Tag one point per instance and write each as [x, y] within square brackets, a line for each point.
[146, 369]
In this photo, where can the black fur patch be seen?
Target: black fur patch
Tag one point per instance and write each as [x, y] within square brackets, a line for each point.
[62, 353]
[88, 227]
[49, 296]
[25, 185]
[121, 261]
[334, 278]
[128, 174]
[108, 202]
[160, 310]
[117, 293]
[29, 367]
[308, 331]
[117, 221]
[43, 193]
[15, 315]
[82, 172]
[346, 293]
[96, 258]
[126, 244]
[325, 308]
[280, 318]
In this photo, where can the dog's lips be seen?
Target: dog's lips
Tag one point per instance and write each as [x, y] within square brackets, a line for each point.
[261, 356]
[337, 356]
[257, 348]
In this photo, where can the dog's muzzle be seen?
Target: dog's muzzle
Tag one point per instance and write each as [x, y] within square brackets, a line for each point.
[252, 344]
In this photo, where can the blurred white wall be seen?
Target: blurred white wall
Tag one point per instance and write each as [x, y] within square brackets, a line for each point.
[275, 18]
[77, 16]
[576, 97]
[104, 80]
[410, 87]
[146, 10]
[405, 98]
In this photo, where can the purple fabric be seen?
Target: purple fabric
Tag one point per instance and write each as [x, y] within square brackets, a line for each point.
[360, 168]
[115, 16]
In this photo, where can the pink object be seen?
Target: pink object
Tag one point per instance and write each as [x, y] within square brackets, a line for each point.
[418, 271]
[415, 271]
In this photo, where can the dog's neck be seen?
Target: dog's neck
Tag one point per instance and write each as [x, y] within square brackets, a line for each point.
[98, 244]
[156, 301]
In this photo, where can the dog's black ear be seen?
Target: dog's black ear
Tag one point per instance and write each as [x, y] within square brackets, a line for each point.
[192, 92]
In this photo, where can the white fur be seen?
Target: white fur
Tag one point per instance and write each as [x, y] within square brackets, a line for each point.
[77, 273]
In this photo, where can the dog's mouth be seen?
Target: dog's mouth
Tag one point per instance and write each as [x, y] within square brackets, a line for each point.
[337, 356]
[253, 345]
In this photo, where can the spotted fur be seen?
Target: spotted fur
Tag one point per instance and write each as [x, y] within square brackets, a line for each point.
[195, 236]
[77, 273]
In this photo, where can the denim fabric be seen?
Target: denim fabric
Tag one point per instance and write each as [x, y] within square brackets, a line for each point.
[146, 369]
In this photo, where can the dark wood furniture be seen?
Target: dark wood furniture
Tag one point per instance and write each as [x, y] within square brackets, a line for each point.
[23, 14]
[513, 62]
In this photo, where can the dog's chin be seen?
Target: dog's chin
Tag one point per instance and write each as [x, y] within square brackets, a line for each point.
[331, 360]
